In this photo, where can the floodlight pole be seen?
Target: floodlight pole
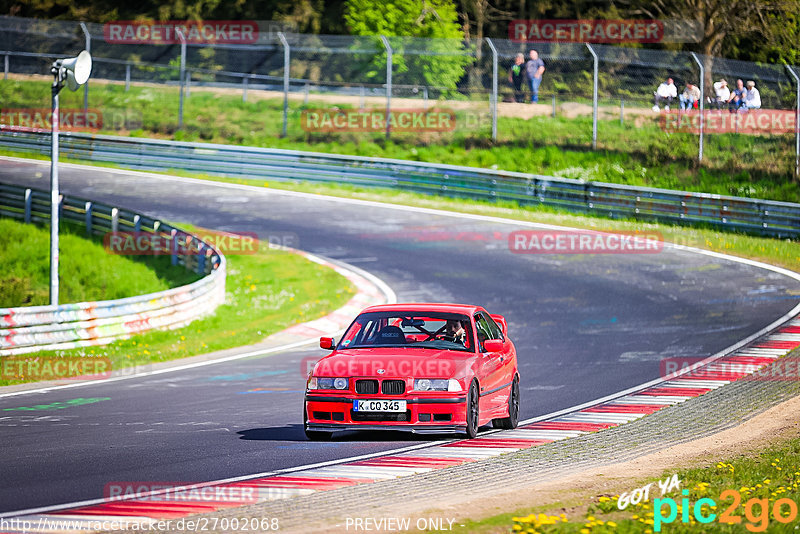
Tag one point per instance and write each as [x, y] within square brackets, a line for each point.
[88, 47]
[702, 102]
[594, 96]
[182, 76]
[54, 194]
[494, 88]
[796, 124]
[389, 51]
[286, 66]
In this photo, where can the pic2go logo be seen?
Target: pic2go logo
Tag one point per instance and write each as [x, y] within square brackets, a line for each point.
[756, 511]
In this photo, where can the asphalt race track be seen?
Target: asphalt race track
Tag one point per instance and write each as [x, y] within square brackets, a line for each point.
[585, 326]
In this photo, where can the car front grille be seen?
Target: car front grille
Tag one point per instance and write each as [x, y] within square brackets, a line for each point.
[366, 387]
[393, 387]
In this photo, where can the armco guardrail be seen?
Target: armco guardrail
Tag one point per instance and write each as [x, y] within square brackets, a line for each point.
[763, 217]
[34, 328]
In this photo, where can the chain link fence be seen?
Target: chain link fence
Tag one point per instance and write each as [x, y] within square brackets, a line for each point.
[327, 76]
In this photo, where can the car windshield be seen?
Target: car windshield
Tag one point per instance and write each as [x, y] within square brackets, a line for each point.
[423, 330]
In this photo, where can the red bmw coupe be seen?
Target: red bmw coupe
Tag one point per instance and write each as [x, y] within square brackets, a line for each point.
[425, 368]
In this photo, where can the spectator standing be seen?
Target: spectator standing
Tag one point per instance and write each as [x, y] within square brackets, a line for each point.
[534, 68]
[722, 93]
[736, 101]
[752, 99]
[665, 94]
[516, 75]
[690, 96]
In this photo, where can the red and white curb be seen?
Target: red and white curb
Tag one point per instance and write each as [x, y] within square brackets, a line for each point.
[146, 508]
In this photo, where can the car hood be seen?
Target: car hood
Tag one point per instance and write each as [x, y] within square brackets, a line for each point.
[396, 363]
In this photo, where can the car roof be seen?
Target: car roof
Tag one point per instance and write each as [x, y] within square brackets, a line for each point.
[466, 309]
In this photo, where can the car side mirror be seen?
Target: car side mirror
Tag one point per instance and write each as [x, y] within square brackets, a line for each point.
[326, 343]
[493, 345]
[499, 319]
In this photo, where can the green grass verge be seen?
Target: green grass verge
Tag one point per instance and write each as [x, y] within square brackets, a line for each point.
[265, 293]
[637, 152]
[758, 480]
[87, 271]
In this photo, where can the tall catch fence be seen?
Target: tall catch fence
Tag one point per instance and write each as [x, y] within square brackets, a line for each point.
[598, 87]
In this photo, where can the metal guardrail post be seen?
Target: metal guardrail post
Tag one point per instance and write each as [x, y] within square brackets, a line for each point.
[182, 75]
[88, 48]
[796, 123]
[127, 77]
[388, 48]
[594, 96]
[28, 205]
[137, 223]
[88, 218]
[287, 58]
[621, 111]
[493, 103]
[702, 104]
[425, 96]
[114, 220]
[362, 97]
[554, 105]
[244, 88]
[5, 69]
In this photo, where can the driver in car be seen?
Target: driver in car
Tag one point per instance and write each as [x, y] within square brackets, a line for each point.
[454, 331]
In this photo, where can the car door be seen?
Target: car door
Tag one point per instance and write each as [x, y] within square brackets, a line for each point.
[493, 366]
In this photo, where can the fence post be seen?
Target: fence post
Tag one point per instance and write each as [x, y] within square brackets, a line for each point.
[28, 200]
[127, 77]
[5, 69]
[796, 124]
[494, 89]
[425, 96]
[594, 97]
[244, 88]
[554, 105]
[621, 111]
[702, 103]
[182, 75]
[388, 48]
[88, 218]
[88, 48]
[362, 97]
[286, 65]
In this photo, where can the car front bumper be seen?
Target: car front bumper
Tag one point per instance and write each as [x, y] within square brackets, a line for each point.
[423, 414]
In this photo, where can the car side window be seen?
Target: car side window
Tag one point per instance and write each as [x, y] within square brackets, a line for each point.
[483, 330]
[494, 328]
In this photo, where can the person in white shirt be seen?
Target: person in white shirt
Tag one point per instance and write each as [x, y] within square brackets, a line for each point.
[722, 93]
[752, 99]
[665, 94]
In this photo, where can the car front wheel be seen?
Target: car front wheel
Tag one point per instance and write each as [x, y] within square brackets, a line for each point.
[473, 410]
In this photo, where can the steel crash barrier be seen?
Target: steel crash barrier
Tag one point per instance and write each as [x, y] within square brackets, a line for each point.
[35, 328]
[761, 217]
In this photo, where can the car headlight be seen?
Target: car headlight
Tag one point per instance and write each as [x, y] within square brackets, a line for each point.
[327, 383]
[436, 384]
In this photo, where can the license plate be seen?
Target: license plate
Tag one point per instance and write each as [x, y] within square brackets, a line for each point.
[379, 405]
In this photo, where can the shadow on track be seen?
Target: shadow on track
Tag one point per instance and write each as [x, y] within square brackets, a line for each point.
[295, 433]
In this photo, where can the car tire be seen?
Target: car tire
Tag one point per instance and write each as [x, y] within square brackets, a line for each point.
[473, 410]
[507, 423]
[314, 435]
